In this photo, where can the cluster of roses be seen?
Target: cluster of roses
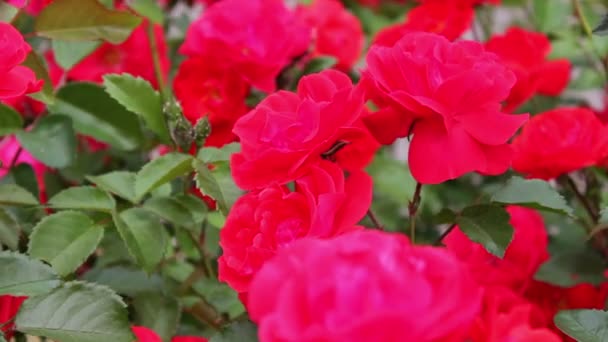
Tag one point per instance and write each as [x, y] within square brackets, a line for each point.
[291, 246]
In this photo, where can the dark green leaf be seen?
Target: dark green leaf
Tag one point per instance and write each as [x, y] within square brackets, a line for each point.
[125, 280]
[571, 267]
[113, 249]
[144, 235]
[52, 141]
[158, 312]
[149, 9]
[171, 210]
[65, 240]
[487, 225]
[602, 28]
[96, 114]
[9, 230]
[214, 154]
[533, 193]
[11, 194]
[84, 198]
[240, 331]
[10, 120]
[85, 20]
[69, 53]
[120, 183]
[24, 176]
[76, 312]
[583, 325]
[34, 62]
[217, 185]
[138, 96]
[160, 171]
[21, 276]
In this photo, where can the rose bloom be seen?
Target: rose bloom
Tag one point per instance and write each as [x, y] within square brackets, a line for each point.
[133, 56]
[336, 31]
[264, 221]
[526, 53]
[32, 7]
[363, 286]
[144, 334]
[207, 90]
[257, 38]
[15, 79]
[449, 96]
[9, 305]
[462, 3]
[288, 133]
[560, 141]
[446, 19]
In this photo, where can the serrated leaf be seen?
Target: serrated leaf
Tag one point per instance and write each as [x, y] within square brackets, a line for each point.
[532, 193]
[144, 235]
[158, 312]
[96, 114]
[76, 312]
[571, 267]
[69, 53]
[138, 96]
[85, 20]
[240, 331]
[129, 281]
[171, 210]
[65, 240]
[160, 171]
[217, 188]
[149, 9]
[9, 230]
[83, 198]
[12, 194]
[214, 154]
[52, 141]
[586, 325]
[488, 225]
[120, 183]
[21, 276]
[10, 120]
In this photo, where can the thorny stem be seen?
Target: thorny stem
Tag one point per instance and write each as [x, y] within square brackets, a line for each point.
[156, 60]
[206, 314]
[374, 219]
[444, 234]
[581, 198]
[413, 210]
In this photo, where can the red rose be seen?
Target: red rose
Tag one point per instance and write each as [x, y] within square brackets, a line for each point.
[462, 3]
[526, 252]
[257, 38]
[15, 80]
[144, 334]
[9, 305]
[288, 133]
[449, 96]
[526, 53]
[363, 286]
[206, 90]
[336, 31]
[560, 141]
[264, 221]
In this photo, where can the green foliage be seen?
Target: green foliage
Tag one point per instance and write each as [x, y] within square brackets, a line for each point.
[572, 266]
[171, 210]
[488, 225]
[549, 15]
[207, 183]
[12, 194]
[83, 198]
[533, 193]
[149, 9]
[158, 312]
[126, 280]
[583, 325]
[10, 120]
[240, 331]
[52, 141]
[160, 171]
[69, 53]
[34, 62]
[21, 276]
[120, 183]
[9, 230]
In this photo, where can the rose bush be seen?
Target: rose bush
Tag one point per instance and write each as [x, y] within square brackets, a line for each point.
[325, 170]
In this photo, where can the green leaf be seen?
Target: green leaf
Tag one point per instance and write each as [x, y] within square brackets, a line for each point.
[214, 154]
[65, 240]
[602, 28]
[36, 64]
[84, 198]
[52, 141]
[171, 210]
[217, 184]
[9, 230]
[138, 96]
[319, 64]
[85, 20]
[24, 176]
[10, 120]
[487, 225]
[550, 15]
[240, 331]
[21, 276]
[160, 171]
[533, 193]
[198, 208]
[120, 183]
[149, 9]
[158, 312]
[69, 53]
[11, 194]
[144, 235]
[586, 325]
[76, 312]
[573, 266]
[96, 114]
[7, 14]
[129, 281]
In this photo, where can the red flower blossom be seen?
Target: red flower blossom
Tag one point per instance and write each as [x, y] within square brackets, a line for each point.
[264, 221]
[560, 141]
[526, 54]
[363, 286]
[336, 31]
[526, 252]
[15, 80]
[257, 38]
[144, 334]
[288, 133]
[9, 305]
[204, 89]
[448, 95]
